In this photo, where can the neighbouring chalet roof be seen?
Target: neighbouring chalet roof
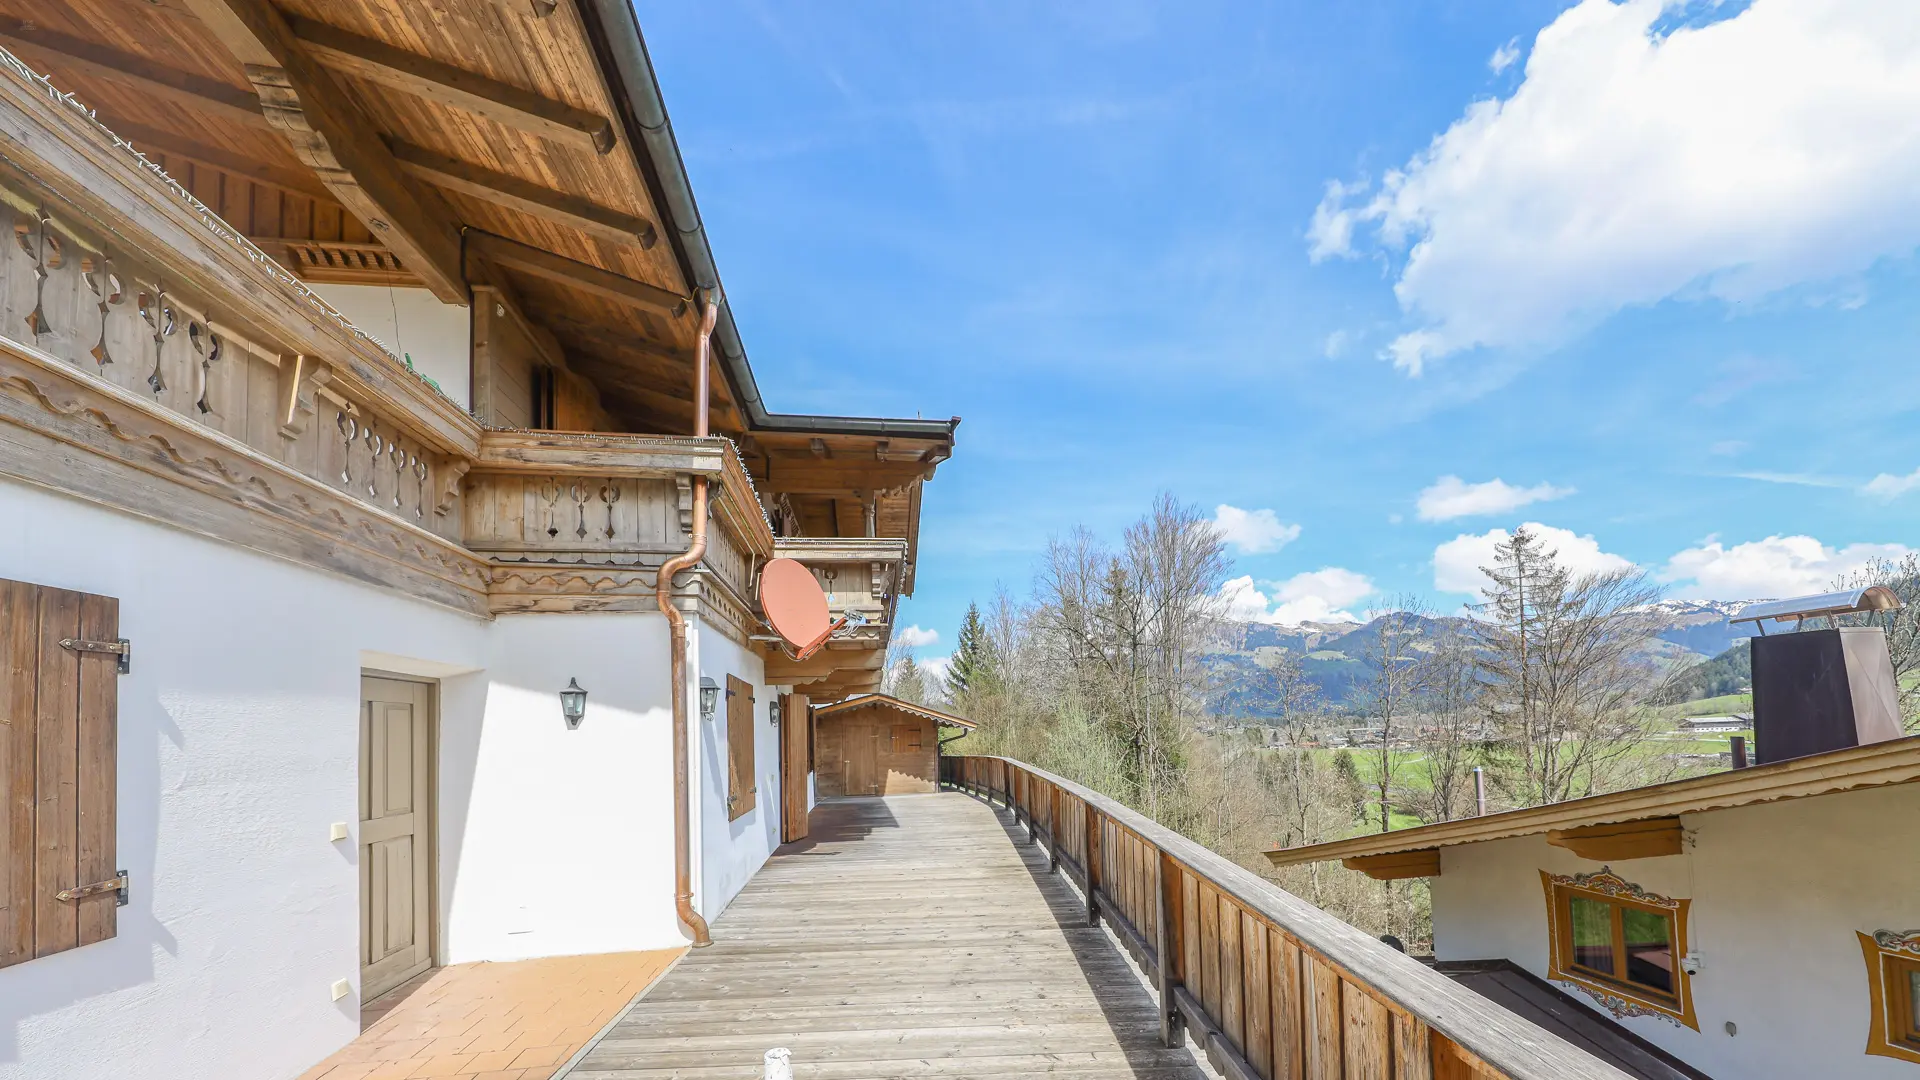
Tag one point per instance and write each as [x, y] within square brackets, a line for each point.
[1878, 765]
[888, 701]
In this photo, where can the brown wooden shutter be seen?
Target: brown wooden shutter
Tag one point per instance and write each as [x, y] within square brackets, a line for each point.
[58, 714]
[741, 789]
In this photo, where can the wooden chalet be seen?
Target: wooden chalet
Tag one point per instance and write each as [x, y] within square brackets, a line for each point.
[383, 492]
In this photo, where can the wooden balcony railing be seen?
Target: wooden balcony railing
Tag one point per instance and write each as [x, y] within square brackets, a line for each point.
[1270, 986]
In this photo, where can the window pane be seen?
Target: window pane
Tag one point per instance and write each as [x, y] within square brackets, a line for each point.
[1592, 934]
[1913, 1001]
[1649, 948]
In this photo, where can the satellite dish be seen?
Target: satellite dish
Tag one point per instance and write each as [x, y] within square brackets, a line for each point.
[796, 607]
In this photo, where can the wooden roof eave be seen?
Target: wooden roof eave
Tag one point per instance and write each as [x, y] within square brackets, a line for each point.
[1877, 765]
[888, 701]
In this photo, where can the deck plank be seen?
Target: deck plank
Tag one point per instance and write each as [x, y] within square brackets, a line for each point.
[916, 935]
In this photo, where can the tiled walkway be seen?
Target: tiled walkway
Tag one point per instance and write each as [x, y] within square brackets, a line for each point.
[515, 1021]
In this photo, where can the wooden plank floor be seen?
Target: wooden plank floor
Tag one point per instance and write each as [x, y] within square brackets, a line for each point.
[908, 936]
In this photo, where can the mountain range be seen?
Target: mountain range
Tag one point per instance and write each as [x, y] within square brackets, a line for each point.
[1333, 656]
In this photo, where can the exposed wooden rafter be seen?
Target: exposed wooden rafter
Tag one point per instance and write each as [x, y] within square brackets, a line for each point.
[1623, 840]
[377, 61]
[529, 198]
[1398, 865]
[336, 140]
[572, 273]
[209, 96]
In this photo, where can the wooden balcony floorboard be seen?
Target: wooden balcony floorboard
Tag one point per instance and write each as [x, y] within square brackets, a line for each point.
[914, 935]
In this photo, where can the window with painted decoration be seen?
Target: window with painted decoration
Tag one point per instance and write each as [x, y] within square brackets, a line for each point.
[1893, 990]
[1622, 945]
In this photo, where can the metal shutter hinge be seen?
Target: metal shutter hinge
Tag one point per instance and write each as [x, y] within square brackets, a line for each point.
[120, 648]
[116, 885]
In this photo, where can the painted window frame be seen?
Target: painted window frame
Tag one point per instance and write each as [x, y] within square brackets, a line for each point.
[1892, 957]
[1618, 996]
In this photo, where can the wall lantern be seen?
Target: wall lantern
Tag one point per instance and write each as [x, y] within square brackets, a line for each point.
[709, 697]
[773, 712]
[573, 704]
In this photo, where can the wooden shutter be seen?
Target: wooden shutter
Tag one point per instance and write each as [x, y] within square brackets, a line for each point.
[58, 711]
[741, 789]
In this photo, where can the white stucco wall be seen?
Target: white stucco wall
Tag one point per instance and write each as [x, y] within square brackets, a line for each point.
[1778, 890]
[559, 841]
[239, 748]
[414, 323]
[731, 851]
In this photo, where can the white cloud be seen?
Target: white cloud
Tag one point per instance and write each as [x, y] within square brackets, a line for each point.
[1451, 497]
[935, 668]
[1457, 563]
[1775, 567]
[1504, 56]
[1888, 486]
[1315, 596]
[1335, 346]
[915, 638]
[1733, 159]
[1254, 532]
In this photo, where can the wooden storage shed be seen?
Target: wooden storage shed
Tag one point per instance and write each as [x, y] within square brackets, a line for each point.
[874, 744]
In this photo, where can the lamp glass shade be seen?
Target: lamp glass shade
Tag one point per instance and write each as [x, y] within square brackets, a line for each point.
[709, 697]
[573, 703]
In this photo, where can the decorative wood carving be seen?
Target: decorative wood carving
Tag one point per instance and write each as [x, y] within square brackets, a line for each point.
[301, 379]
[209, 484]
[450, 476]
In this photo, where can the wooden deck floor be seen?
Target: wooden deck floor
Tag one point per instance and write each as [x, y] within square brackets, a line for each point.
[909, 936]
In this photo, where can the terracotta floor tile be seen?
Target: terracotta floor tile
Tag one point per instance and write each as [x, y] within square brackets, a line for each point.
[488, 1021]
[542, 1055]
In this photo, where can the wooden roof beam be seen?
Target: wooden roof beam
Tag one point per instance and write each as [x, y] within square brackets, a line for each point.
[574, 274]
[335, 139]
[1398, 865]
[209, 96]
[559, 207]
[1617, 842]
[377, 61]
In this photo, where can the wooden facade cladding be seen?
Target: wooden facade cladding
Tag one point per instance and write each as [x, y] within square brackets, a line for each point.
[1271, 987]
[152, 360]
[59, 704]
[743, 784]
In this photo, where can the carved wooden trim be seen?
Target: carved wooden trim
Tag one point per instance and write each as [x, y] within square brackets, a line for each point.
[210, 484]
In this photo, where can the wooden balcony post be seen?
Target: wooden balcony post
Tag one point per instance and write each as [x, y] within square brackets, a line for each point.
[1167, 946]
[1053, 828]
[1092, 867]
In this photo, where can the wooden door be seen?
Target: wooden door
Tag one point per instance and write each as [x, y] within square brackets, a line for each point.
[859, 743]
[795, 740]
[396, 833]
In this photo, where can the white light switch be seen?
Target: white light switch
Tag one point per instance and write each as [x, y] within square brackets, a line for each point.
[338, 832]
[341, 988]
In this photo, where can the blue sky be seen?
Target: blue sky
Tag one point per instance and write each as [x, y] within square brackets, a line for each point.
[1650, 266]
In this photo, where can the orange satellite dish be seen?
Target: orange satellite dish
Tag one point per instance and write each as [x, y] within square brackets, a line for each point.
[796, 607]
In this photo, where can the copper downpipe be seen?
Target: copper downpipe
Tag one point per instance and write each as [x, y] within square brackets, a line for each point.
[677, 648]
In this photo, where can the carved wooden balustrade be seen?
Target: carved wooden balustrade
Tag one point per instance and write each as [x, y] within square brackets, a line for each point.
[1271, 987]
[575, 521]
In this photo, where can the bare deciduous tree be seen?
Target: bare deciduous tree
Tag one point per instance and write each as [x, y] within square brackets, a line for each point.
[1566, 678]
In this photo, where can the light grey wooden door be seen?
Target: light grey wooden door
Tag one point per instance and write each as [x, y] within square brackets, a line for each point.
[396, 833]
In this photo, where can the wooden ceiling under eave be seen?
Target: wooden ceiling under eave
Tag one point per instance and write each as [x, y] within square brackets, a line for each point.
[492, 117]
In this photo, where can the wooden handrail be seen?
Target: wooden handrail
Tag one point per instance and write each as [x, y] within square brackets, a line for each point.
[1271, 987]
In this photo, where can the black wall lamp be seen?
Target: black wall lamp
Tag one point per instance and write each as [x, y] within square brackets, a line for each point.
[573, 704]
[773, 712]
[709, 697]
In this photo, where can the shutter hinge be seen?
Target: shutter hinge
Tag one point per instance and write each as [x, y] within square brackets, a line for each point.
[120, 648]
[115, 885]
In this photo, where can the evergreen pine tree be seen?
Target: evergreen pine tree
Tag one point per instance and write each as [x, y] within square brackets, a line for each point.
[972, 666]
